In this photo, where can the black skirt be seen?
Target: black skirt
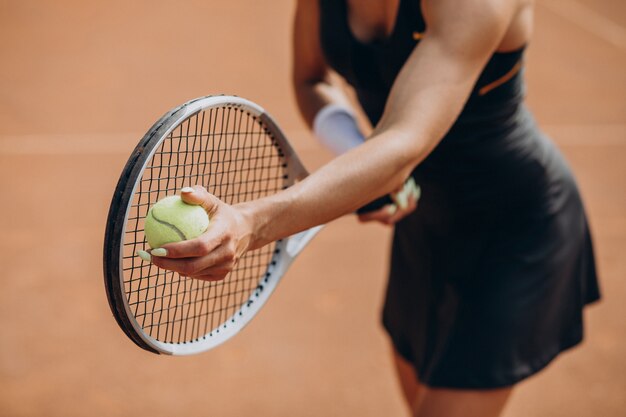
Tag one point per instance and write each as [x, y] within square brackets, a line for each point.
[490, 274]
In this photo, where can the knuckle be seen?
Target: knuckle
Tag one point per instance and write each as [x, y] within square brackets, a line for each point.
[230, 251]
[222, 272]
[227, 252]
[226, 238]
[224, 264]
[211, 278]
[230, 260]
[186, 269]
[204, 247]
[230, 255]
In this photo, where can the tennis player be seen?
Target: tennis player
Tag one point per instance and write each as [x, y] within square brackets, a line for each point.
[491, 268]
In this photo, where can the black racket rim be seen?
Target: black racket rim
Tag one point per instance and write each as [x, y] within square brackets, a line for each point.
[117, 219]
[119, 211]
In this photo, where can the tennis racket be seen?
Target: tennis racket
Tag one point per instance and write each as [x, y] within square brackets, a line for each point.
[235, 150]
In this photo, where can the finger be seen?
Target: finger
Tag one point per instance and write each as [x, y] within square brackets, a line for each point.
[189, 269]
[200, 246]
[400, 214]
[379, 215]
[218, 271]
[401, 198]
[209, 277]
[182, 266]
[199, 196]
[223, 255]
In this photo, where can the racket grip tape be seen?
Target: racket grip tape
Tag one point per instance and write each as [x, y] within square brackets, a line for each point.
[409, 189]
[375, 205]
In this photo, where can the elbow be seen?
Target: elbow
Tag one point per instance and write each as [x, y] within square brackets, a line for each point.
[410, 144]
[409, 148]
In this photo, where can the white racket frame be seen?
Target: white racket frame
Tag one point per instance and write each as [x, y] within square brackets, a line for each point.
[285, 252]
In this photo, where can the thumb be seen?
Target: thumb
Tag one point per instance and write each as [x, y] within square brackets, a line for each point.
[199, 196]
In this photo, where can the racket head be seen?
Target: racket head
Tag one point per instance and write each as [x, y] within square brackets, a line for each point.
[234, 148]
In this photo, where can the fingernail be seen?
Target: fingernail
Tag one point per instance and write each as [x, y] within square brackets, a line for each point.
[187, 190]
[412, 188]
[391, 209]
[144, 255]
[402, 200]
[417, 191]
[159, 252]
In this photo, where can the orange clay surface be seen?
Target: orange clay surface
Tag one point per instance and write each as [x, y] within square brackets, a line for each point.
[80, 82]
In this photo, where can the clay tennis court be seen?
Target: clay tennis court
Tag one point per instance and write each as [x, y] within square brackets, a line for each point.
[80, 82]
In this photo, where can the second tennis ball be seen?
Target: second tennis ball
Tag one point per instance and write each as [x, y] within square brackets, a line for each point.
[172, 220]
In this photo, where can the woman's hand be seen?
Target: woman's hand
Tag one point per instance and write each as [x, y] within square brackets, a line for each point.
[405, 202]
[215, 253]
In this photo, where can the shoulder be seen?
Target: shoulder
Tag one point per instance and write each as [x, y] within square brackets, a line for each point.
[469, 24]
[477, 14]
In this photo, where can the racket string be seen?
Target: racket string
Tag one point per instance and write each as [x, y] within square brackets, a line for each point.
[229, 152]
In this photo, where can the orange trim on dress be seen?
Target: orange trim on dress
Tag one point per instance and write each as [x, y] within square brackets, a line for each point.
[506, 77]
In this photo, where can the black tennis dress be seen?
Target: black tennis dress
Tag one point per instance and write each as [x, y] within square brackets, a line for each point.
[490, 274]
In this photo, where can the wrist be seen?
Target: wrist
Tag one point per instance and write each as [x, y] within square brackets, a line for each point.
[257, 223]
[272, 217]
[336, 128]
[249, 225]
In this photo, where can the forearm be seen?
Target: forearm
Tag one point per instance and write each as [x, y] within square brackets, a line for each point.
[320, 97]
[340, 187]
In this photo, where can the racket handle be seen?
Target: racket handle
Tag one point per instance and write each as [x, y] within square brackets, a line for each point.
[375, 205]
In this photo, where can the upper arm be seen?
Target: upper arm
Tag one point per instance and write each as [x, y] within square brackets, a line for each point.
[309, 64]
[439, 75]
[470, 30]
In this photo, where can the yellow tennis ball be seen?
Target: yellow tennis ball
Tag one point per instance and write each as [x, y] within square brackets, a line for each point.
[173, 220]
